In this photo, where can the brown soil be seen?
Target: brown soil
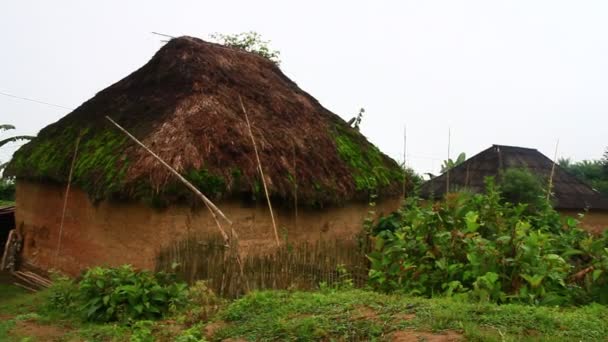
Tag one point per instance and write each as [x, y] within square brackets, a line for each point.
[364, 313]
[418, 336]
[39, 332]
[213, 327]
[404, 316]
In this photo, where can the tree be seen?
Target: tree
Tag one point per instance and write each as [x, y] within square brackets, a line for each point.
[7, 186]
[6, 127]
[450, 164]
[592, 172]
[521, 186]
[566, 163]
[249, 41]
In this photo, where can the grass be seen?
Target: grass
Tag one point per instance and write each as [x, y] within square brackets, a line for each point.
[6, 203]
[328, 314]
[364, 315]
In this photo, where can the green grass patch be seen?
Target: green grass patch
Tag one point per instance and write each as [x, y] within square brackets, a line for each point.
[6, 203]
[322, 315]
[309, 316]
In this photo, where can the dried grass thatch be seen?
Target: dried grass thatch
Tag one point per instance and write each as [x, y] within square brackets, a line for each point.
[184, 104]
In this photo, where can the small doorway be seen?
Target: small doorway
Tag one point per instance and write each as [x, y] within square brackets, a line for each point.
[7, 223]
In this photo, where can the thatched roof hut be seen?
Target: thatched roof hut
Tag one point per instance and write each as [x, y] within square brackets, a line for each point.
[184, 104]
[570, 193]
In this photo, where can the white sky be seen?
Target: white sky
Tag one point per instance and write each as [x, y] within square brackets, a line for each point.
[519, 73]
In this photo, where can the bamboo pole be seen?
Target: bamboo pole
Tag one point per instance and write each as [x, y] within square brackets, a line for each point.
[212, 208]
[233, 240]
[25, 287]
[7, 247]
[257, 156]
[65, 198]
[447, 176]
[404, 159]
[295, 184]
[552, 172]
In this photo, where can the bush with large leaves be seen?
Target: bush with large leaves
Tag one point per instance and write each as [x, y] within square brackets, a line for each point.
[119, 294]
[480, 246]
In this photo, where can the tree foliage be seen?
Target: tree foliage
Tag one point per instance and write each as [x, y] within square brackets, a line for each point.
[449, 164]
[249, 41]
[118, 294]
[7, 127]
[482, 247]
[592, 172]
[522, 186]
[7, 186]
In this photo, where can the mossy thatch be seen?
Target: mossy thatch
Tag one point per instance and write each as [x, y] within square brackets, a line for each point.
[184, 104]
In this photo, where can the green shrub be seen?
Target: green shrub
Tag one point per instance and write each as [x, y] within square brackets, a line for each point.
[116, 294]
[122, 293]
[7, 190]
[522, 186]
[483, 247]
[62, 297]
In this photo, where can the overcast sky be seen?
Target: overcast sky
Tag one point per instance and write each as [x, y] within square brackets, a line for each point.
[522, 73]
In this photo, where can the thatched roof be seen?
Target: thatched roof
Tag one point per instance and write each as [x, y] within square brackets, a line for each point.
[569, 192]
[184, 104]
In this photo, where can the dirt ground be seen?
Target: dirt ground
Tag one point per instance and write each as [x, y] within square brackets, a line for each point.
[416, 336]
[39, 332]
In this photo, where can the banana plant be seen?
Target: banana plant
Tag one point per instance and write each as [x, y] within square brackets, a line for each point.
[449, 164]
[6, 127]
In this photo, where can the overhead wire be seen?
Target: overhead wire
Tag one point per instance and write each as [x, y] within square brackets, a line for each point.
[34, 100]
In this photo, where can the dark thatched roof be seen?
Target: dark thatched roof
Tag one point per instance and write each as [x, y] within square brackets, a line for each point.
[184, 104]
[569, 192]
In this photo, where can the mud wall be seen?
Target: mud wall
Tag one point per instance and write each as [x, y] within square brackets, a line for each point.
[132, 233]
[593, 221]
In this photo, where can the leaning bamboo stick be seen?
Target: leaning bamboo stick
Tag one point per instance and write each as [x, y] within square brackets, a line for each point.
[257, 156]
[65, 199]
[212, 208]
[25, 287]
[37, 277]
[7, 247]
[550, 188]
[29, 281]
[233, 240]
[447, 176]
[295, 184]
[404, 160]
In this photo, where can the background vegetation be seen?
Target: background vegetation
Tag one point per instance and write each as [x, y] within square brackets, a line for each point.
[249, 41]
[485, 248]
[7, 186]
[593, 172]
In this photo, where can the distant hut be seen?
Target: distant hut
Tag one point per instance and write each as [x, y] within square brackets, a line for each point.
[184, 104]
[570, 195]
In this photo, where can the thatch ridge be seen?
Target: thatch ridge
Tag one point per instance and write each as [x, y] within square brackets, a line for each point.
[184, 105]
[569, 192]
